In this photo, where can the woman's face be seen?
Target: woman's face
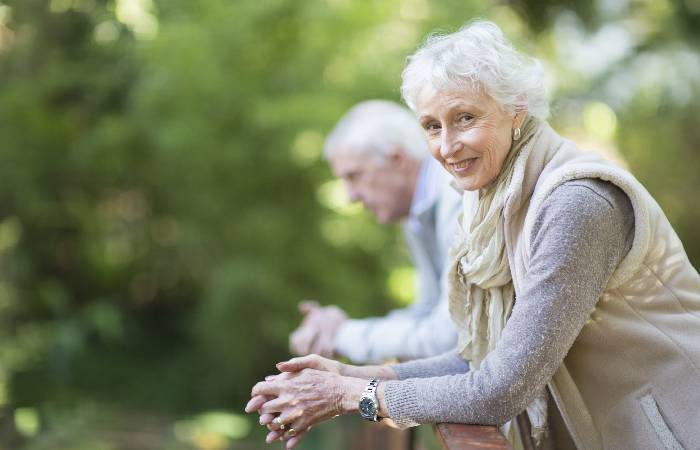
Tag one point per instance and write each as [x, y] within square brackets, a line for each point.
[467, 133]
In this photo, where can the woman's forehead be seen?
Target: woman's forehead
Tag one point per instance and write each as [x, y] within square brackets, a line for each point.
[432, 100]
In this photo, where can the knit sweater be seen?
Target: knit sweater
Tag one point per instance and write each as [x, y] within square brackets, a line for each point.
[583, 230]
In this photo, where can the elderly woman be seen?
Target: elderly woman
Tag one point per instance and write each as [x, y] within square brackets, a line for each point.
[566, 280]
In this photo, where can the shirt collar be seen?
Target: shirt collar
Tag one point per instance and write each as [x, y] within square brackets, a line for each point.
[426, 192]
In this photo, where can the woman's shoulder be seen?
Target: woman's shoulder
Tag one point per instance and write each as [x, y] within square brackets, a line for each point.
[594, 194]
[586, 205]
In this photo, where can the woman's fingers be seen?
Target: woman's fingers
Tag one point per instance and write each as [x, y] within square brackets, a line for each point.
[276, 424]
[269, 388]
[288, 417]
[310, 362]
[300, 363]
[296, 426]
[256, 402]
[272, 436]
[293, 441]
[283, 420]
[274, 406]
[266, 419]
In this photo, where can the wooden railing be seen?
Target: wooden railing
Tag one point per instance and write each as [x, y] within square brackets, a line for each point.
[466, 437]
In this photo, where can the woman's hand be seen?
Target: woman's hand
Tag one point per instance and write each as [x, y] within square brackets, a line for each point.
[382, 372]
[302, 399]
[312, 362]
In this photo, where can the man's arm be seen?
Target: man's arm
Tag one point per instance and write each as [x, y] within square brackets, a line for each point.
[424, 329]
[404, 337]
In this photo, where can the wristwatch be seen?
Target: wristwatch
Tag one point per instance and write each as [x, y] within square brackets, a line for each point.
[368, 402]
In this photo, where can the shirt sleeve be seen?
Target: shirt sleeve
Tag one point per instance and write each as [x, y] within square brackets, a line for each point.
[404, 337]
[425, 328]
[582, 232]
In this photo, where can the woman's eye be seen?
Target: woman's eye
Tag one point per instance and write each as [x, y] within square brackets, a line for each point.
[432, 127]
[464, 118]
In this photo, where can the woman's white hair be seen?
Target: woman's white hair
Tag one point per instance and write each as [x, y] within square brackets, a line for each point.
[377, 127]
[477, 56]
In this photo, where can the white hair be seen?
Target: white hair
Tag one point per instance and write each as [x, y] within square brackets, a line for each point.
[477, 56]
[377, 127]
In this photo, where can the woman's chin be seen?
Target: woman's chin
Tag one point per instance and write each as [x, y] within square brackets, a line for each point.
[467, 183]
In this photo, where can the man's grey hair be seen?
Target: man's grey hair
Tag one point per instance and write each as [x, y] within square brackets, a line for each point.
[478, 56]
[377, 127]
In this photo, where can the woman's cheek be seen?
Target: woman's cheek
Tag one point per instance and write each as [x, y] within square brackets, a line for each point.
[434, 147]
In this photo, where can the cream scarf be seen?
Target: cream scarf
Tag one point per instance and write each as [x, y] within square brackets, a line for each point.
[480, 286]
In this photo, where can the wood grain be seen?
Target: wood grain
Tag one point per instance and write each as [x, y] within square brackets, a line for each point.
[465, 437]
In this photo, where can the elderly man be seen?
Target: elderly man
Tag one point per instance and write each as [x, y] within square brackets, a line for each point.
[378, 149]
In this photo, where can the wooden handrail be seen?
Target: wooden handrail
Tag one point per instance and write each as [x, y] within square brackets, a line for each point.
[465, 437]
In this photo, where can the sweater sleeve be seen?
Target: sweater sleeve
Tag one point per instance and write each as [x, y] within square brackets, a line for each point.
[448, 363]
[582, 232]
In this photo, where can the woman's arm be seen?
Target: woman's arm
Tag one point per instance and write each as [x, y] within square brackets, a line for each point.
[448, 363]
[582, 232]
[381, 372]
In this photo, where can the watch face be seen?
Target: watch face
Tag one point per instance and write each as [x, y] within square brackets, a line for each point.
[367, 407]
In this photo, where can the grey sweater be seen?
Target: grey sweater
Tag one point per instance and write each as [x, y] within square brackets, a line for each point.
[582, 232]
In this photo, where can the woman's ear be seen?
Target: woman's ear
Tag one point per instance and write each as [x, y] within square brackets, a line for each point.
[519, 118]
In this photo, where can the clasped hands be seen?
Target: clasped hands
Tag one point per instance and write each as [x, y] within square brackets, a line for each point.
[317, 332]
[309, 390]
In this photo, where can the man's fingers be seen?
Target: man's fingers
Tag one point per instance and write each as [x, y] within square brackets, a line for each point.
[308, 306]
[318, 344]
[323, 345]
[256, 402]
[296, 340]
[302, 339]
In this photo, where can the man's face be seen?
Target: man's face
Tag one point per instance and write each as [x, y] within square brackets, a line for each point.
[377, 181]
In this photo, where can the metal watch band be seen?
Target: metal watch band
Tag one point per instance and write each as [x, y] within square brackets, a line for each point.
[369, 405]
[371, 387]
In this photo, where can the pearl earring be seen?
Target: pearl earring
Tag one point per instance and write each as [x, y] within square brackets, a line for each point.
[516, 134]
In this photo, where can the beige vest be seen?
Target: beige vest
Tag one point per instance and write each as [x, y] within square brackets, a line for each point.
[632, 378]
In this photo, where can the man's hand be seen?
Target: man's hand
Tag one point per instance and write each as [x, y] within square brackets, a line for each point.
[317, 331]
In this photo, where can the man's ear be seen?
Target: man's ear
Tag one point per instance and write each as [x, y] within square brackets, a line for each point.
[397, 156]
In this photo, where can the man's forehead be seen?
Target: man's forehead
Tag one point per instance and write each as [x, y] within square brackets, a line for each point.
[347, 159]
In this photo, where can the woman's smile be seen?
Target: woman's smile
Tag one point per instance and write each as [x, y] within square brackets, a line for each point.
[463, 166]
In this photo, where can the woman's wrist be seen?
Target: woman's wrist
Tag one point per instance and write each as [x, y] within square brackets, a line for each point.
[353, 389]
[352, 392]
[382, 372]
[383, 410]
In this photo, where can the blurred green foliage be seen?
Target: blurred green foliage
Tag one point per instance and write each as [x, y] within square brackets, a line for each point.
[163, 204]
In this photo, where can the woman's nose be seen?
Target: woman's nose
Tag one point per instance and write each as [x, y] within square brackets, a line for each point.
[449, 145]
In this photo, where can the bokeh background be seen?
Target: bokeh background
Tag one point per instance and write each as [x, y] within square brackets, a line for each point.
[163, 203]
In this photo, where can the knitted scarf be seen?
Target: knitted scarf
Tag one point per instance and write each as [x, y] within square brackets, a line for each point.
[480, 288]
